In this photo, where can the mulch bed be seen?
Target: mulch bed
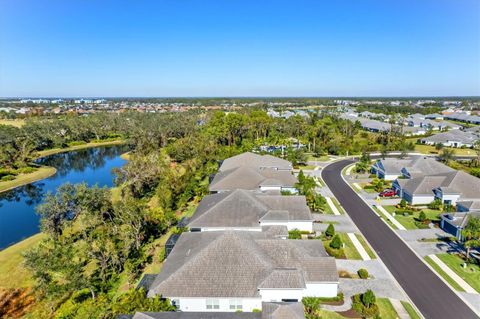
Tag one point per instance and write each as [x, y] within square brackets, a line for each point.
[350, 314]
[333, 303]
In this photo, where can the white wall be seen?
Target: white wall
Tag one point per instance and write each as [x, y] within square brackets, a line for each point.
[321, 290]
[279, 294]
[424, 199]
[291, 225]
[231, 228]
[200, 304]
[391, 177]
[270, 188]
[450, 197]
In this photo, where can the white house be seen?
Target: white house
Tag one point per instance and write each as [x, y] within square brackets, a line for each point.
[230, 271]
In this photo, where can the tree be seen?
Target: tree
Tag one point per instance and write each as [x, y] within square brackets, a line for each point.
[311, 305]
[447, 155]
[422, 216]
[362, 273]
[471, 234]
[330, 232]
[336, 242]
[368, 298]
[319, 202]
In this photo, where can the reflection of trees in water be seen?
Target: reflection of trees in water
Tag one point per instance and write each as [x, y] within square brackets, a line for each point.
[65, 162]
[32, 193]
[79, 160]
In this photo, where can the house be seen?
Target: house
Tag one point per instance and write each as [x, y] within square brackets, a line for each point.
[434, 116]
[230, 271]
[449, 187]
[389, 168]
[249, 178]
[454, 223]
[247, 210]
[270, 310]
[250, 159]
[454, 138]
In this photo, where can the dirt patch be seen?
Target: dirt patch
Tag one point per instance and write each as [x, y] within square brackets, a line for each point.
[14, 303]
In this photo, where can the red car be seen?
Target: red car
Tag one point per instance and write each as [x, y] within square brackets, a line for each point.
[387, 193]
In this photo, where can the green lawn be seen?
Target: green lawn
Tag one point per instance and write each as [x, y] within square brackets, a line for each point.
[411, 311]
[327, 210]
[429, 149]
[350, 251]
[306, 167]
[386, 309]
[23, 179]
[443, 274]
[409, 221]
[471, 274]
[337, 204]
[367, 247]
[12, 272]
[384, 217]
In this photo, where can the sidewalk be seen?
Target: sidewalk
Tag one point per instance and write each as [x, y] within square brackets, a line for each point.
[361, 250]
[401, 311]
[390, 218]
[465, 286]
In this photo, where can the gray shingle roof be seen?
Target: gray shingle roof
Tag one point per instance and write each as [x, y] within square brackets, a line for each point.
[255, 161]
[282, 310]
[234, 264]
[452, 136]
[251, 179]
[241, 208]
[281, 278]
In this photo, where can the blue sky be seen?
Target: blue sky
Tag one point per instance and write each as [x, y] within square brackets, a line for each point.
[239, 48]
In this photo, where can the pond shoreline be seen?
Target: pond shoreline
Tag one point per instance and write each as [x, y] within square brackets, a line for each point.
[46, 171]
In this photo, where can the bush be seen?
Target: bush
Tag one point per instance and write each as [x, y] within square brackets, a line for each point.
[436, 204]
[336, 242]
[403, 203]
[365, 304]
[422, 216]
[337, 253]
[330, 232]
[7, 178]
[75, 143]
[362, 273]
[25, 170]
[294, 234]
[404, 212]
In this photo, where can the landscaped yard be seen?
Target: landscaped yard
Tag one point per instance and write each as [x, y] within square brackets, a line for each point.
[327, 210]
[429, 149]
[350, 251]
[409, 221]
[471, 274]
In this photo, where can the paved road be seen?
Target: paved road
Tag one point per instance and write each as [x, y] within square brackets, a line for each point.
[434, 299]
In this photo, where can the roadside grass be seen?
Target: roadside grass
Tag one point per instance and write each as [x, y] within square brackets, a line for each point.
[410, 310]
[471, 274]
[439, 270]
[323, 158]
[78, 147]
[367, 247]
[12, 272]
[306, 167]
[382, 216]
[15, 122]
[23, 179]
[337, 204]
[350, 251]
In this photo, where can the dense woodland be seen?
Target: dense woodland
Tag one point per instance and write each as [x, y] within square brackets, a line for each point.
[99, 241]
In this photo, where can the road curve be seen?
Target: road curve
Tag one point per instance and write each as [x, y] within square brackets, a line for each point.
[429, 293]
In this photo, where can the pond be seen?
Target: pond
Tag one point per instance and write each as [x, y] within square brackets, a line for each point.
[18, 219]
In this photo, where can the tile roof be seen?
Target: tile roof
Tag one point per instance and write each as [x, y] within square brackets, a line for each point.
[234, 264]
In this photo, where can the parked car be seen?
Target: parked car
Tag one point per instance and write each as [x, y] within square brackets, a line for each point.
[387, 193]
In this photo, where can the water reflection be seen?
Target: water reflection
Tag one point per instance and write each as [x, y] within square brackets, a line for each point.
[18, 219]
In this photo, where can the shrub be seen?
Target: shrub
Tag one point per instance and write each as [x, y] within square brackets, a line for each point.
[403, 203]
[75, 143]
[330, 232]
[25, 170]
[7, 178]
[362, 273]
[436, 204]
[311, 305]
[365, 304]
[422, 216]
[337, 253]
[294, 234]
[404, 212]
[368, 298]
[336, 242]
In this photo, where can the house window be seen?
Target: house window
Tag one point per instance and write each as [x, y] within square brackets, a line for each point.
[236, 304]
[213, 304]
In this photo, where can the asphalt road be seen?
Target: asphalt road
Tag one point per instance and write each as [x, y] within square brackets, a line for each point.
[430, 294]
